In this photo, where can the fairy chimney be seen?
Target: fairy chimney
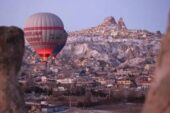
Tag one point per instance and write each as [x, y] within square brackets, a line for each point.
[108, 21]
[121, 24]
[158, 98]
[11, 53]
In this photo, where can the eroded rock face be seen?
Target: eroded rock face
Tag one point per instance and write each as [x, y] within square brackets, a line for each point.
[109, 21]
[158, 97]
[11, 53]
[121, 24]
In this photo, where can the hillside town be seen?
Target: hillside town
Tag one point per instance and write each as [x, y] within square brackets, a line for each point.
[101, 65]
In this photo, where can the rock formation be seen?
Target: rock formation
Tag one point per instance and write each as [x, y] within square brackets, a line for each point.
[121, 24]
[11, 53]
[109, 21]
[158, 100]
[115, 29]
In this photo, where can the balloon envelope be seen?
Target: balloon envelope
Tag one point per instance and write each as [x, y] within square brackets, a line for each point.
[45, 33]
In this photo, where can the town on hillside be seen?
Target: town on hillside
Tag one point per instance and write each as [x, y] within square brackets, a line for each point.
[101, 65]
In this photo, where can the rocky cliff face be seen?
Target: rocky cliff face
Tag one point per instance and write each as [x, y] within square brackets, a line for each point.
[112, 40]
[109, 21]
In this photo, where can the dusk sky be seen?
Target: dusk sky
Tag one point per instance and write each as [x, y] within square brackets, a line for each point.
[151, 15]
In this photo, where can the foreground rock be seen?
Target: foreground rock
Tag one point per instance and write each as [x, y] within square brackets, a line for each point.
[158, 98]
[11, 50]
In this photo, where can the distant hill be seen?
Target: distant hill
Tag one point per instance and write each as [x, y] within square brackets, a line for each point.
[109, 27]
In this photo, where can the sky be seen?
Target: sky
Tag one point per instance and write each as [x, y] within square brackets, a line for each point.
[151, 15]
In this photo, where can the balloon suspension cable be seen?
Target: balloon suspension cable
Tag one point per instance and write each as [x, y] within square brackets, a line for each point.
[45, 67]
[44, 62]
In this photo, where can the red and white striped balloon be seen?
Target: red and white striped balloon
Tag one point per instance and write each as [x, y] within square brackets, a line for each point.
[45, 32]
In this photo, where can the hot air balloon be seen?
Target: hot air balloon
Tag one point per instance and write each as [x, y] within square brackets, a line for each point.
[45, 33]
